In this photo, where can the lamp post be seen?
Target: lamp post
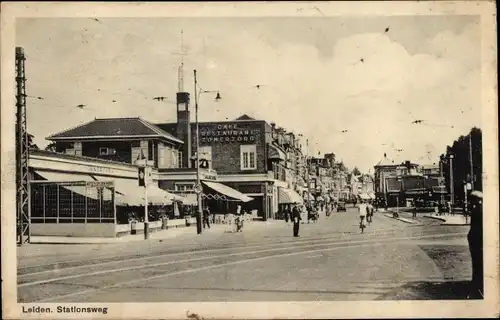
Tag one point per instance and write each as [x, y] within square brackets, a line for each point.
[198, 187]
[397, 200]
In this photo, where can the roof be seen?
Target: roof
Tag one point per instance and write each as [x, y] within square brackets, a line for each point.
[385, 162]
[244, 117]
[114, 128]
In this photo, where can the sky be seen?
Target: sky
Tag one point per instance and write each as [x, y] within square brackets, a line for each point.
[352, 85]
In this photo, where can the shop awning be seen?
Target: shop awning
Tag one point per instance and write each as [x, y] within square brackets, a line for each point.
[276, 153]
[227, 191]
[69, 177]
[189, 199]
[286, 195]
[156, 192]
[128, 191]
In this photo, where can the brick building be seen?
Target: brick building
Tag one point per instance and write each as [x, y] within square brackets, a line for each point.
[249, 155]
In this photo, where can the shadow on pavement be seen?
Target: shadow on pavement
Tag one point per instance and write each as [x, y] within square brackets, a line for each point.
[429, 290]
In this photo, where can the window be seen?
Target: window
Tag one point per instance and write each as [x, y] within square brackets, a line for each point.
[184, 187]
[248, 155]
[151, 150]
[180, 163]
[206, 154]
[104, 151]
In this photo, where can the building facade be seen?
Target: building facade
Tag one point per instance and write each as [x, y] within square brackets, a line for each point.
[251, 156]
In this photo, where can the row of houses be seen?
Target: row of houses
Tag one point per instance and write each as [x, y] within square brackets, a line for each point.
[408, 184]
[246, 161]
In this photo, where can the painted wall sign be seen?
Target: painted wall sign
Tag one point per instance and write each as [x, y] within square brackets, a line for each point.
[227, 133]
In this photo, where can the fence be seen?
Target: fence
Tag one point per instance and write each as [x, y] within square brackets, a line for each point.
[72, 202]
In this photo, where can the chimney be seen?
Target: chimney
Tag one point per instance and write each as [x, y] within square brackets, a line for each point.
[184, 127]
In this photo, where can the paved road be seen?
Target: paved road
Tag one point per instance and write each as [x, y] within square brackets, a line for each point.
[331, 260]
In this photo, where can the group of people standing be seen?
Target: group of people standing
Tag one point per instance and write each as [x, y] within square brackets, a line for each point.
[234, 222]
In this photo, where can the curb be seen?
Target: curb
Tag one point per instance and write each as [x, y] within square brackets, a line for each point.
[402, 219]
[445, 223]
[434, 217]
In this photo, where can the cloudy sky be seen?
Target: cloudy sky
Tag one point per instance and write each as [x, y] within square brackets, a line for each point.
[318, 76]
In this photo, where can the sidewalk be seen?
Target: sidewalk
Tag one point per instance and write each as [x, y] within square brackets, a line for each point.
[455, 220]
[158, 235]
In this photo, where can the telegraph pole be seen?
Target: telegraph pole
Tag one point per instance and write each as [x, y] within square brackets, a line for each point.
[22, 183]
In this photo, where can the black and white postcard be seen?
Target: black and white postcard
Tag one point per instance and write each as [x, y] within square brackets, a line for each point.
[249, 160]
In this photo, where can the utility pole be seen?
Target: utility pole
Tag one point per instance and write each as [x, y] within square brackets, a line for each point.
[471, 161]
[199, 226]
[22, 149]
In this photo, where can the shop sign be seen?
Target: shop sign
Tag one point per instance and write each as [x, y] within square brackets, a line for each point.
[100, 170]
[100, 184]
[227, 133]
[209, 177]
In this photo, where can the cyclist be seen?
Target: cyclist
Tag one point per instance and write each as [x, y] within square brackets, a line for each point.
[362, 207]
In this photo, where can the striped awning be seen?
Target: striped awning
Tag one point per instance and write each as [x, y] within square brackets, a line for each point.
[286, 195]
[227, 192]
[276, 153]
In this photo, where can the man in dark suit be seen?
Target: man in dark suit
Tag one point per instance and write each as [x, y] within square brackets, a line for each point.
[296, 219]
[206, 218]
[475, 239]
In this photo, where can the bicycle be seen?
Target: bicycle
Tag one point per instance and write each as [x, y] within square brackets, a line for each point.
[362, 225]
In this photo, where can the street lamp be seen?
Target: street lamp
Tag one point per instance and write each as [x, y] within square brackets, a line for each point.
[198, 187]
[397, 200]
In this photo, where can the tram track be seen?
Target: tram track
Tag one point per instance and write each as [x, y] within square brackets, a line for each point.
[56, 283]
[64, 265]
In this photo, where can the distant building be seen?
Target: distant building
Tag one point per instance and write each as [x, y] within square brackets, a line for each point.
[406, 183]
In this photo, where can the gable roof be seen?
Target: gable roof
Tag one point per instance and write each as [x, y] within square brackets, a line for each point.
[114, 128]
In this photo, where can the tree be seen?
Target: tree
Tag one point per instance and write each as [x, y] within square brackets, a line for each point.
[31, 143]
[356, 171]
[51, 147]
[461, 162]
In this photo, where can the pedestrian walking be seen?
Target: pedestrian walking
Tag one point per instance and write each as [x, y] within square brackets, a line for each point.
[287, 214]
[475, 239]
[369, 212]
[296, 219]
[206, 218]
[414, 211]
